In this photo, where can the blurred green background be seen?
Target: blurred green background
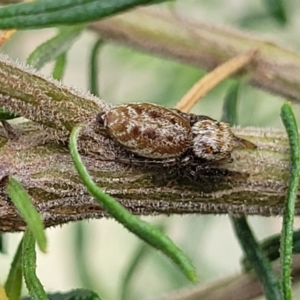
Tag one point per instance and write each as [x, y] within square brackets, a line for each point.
[96, 254]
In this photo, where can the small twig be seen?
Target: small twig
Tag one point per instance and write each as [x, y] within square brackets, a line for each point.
[212, 79]
[244, 286]
[203, 45]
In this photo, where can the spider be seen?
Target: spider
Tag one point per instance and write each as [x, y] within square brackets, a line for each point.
[155, 135]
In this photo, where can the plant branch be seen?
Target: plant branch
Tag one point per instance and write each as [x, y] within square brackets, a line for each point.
[36, 154]
[275, 68]
[239, 287]
[45, 169]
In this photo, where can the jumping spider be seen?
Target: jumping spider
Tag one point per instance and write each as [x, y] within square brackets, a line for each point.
[155, 135]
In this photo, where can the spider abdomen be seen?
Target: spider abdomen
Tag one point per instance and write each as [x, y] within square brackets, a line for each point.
[148, 130]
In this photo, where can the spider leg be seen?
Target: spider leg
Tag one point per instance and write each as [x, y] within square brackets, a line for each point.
[242, 143]
[141, 161]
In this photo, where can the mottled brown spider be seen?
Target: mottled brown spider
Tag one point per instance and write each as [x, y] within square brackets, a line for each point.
[153, 134]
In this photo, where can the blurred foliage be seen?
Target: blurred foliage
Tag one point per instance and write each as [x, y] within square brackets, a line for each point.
[126, 75]
[78, 294]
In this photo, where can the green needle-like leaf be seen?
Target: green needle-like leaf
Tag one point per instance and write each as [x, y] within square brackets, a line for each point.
[53, 48]
[94, 70]
[150, 234]
[48, 13]
[33, 284]
[277, 10]
[13, 284]
[137, 259]
[59, 68]
[250, 246]
[21, 200]
[229, 114]
[257, 258]
[271, 248]
[78, 294]
[291, 127]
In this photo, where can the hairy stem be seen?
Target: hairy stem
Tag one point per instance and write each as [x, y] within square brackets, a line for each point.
[36, 154]
[275, 68]
[255, 185]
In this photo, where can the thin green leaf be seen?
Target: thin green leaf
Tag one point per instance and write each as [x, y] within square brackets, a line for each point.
[59, 68]
[1, 244]
[5, 115]
[48, 13]
[54, 47]
[229, 114]
[257, 258]
[80, 256]
[271, 248]
[81, 260]
[136, 260]
[150, 234]
[276, 9]
[94, 70]
[78, 294]
[291, 127]
[21, 200]
[13, 284]
[251, 248]
[34, 286]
